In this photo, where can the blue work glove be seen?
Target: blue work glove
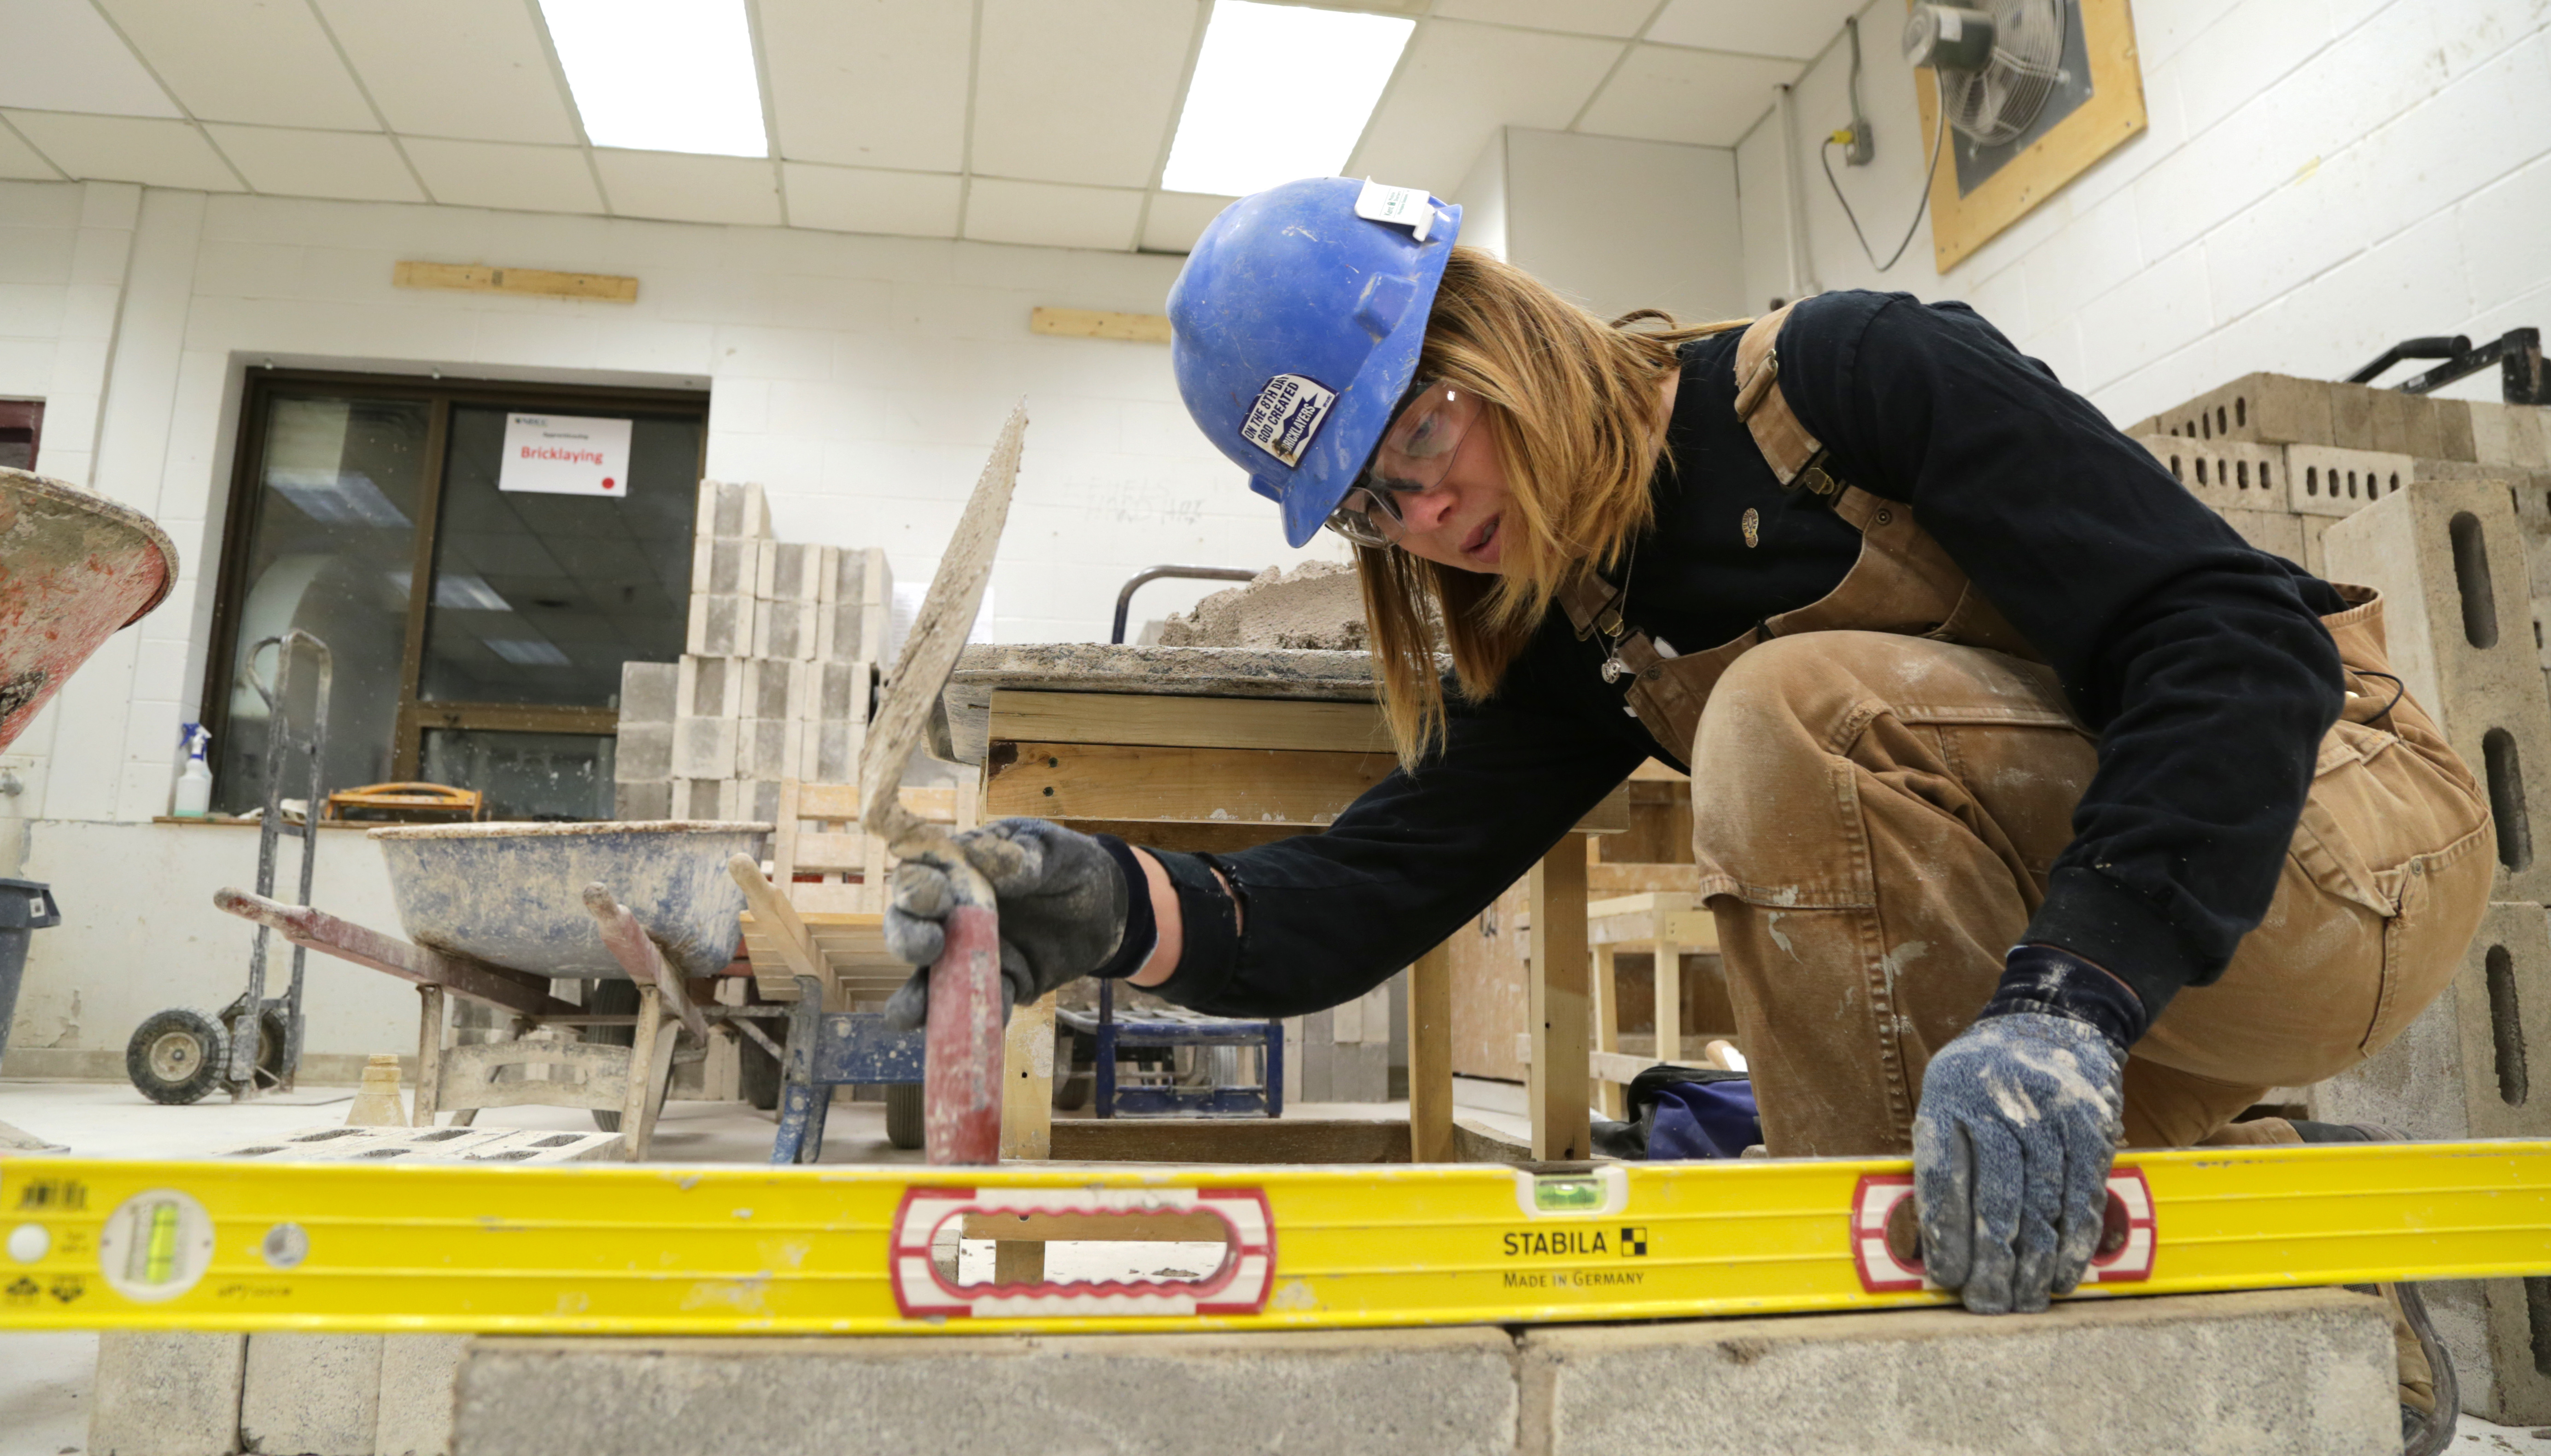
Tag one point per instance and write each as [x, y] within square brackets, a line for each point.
[1068, 907]
[2019, 1118]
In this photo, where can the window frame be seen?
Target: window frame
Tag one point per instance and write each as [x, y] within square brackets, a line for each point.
[415, 716]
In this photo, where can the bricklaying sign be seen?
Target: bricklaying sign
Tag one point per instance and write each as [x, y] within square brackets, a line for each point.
[564, 455]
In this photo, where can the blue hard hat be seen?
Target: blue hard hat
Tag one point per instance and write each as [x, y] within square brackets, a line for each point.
[1294, 331]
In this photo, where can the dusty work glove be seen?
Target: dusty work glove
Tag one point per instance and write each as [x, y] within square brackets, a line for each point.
[2019, 1118]
[1068, 907]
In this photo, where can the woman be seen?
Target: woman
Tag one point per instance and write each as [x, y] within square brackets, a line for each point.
[2007, 756]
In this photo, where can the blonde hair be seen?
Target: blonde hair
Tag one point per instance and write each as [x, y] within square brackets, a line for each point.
[1572, 405]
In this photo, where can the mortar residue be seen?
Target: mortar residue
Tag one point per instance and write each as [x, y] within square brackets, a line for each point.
[1315, 605]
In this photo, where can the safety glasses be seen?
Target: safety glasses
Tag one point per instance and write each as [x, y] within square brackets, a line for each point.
[1416, 451]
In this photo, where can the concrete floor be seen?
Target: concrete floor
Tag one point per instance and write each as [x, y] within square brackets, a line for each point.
[45, 1378]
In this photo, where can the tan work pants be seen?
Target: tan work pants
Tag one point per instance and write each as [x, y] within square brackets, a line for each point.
[1875, 816]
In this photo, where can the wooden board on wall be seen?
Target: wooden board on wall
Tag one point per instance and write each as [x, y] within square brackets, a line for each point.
[2113, 113]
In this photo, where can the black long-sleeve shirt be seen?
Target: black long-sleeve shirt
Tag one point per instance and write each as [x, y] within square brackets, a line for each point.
[2197, 659]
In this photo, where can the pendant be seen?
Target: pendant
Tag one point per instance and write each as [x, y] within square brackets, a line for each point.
[1613, 666]
[1751, 525]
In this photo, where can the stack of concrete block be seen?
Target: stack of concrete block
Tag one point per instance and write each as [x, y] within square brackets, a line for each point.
[1346, 1052]
[777, 675]
[2451, 559]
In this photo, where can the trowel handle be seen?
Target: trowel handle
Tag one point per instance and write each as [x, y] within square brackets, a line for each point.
[960, 1095]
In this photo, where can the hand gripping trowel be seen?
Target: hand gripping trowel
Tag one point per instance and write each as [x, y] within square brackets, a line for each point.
[961, 1073]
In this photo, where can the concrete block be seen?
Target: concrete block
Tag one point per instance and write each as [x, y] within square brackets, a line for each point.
[2227, 475]
[1292, 1060]
[2509, 435]
[2314, 528]
[173, 1393]
[311, 1395]
[843, 691]
[720, 626]
[2450, 560]
[776, 687]
[2362, 417]
[643, 800]
[2455, 436]
[2278, 533]
[858, 606]
[724, 566]
[2302, 1371]
[769, 748]
[2323, 481]
[706, 798]
[2463, 1070]
[1360, 1071]
[831, 751]
[1392, 1393]
[757, 801]
[732, 509]
[418, 1376]
[784, 629]
[647, 692]
[787, 570]
[645, 753]
[709, 688]
[704, 748]
[2261, 409]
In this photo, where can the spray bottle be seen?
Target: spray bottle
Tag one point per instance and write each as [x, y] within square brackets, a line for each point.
[195, 780]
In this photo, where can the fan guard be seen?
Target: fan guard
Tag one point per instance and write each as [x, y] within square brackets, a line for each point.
[1998, 103]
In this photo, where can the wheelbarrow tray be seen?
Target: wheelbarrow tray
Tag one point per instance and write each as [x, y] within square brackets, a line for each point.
[511, 895]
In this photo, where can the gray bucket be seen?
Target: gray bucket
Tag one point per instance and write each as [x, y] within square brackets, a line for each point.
[25, 906]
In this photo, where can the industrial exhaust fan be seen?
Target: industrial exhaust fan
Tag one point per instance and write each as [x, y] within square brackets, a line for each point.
[1995, 63]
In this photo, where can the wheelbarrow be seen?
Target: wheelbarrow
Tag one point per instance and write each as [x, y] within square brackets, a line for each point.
[495, 912]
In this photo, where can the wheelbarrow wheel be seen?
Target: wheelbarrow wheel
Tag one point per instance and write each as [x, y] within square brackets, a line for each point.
[903, 1114]
[176, 1056]
[617, 999]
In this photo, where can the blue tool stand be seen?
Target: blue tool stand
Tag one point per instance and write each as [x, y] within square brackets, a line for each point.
[825, 1050]
[1174, 1027]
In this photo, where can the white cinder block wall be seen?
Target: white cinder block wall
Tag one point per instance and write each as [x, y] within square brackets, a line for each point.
[859, 379]
[2317, 181]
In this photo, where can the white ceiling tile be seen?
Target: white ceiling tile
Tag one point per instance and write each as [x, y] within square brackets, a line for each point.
[505, 174]
[267, 62]
[1620, 17]
[1660, 94]
[870, 82]
[469, 68]
[1177, 218]
[358, 165]
[1460, 82]
[1798, 29]
[688, 188]
[1051, 216]
[846, 199]
[127, 148]
[62, 55]
[1083, 92]
[19, 162]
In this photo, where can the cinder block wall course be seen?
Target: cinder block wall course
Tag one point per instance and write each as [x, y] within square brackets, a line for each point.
[167, 1395]
[1387, 1393]
[2265, 1375]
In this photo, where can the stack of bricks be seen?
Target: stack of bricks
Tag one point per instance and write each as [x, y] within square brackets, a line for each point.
[776, 678]
[2444, 506]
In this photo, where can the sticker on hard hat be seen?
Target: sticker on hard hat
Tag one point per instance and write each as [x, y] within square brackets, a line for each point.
[1407, 207]
[1287, 414]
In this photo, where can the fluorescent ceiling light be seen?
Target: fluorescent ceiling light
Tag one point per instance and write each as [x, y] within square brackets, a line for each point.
[336, 497]
[527, 652]
[457, 589]
[662, 75]
[1281, 92]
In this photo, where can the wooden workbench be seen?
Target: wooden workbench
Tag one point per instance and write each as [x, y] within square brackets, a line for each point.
[1215, 750]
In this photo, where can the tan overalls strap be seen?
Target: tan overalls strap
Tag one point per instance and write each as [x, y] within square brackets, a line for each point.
[1904, 582]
